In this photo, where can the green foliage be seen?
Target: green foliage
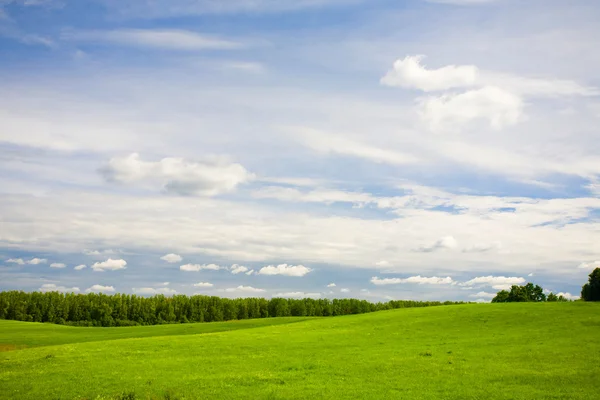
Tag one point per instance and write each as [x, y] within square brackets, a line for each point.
[589, 292]
[501, 297]
[521, 294]
[461, 352]
[131, 310]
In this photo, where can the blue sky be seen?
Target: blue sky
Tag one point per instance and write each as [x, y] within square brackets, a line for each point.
[399, 150]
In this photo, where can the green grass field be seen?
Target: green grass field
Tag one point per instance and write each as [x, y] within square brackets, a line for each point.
[489, 351]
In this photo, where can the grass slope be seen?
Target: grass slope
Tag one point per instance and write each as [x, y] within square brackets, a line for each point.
[493, 351]
[18, 335]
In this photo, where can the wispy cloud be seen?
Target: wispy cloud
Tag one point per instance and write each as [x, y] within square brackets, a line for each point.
[166, 39]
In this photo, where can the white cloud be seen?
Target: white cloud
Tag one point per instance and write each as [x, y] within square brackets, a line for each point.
[51, 287]
[483, 247]
[345, 290]
[171, 258]
[200, 267]
[109, 265]
[242, 288]
[409, 73]
[496, 105]
[100, 288]
[382, 263]
[238, 269]
[251, 272]
[462, 2]
[149, 290]
[485, 295]
[203, 284]
[298, 295]
[171, 39]
[331, 285]
[178, 176]
[245, 66]
[98, 252]
[589, 265]
[496, 282]
[32, 39]
[285, 269]
[18, 261]
[531, 274]
[568, 296]
[177, 8]
[57, 265]
[80, 267]
[421, 280]
[166, 283]
[36, 261]
[328, 143]
[447, 242]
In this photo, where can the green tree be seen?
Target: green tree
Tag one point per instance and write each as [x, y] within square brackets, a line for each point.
[591, 290]
[501, 297]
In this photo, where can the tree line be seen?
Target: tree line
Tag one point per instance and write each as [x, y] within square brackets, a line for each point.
[534, 293]
[128, 309]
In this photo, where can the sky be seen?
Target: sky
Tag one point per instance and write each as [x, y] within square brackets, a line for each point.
[415, 149]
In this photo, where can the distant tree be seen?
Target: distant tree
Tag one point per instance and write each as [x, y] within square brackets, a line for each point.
[521, 294]
[591, 290]
[501, 297]
[552, 297]
[97, 309]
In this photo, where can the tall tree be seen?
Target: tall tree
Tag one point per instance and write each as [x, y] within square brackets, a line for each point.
[591, 290]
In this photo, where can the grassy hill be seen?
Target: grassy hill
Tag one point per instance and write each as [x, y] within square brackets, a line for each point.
[491, 351]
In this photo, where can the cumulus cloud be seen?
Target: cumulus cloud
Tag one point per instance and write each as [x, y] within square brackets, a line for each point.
[251, 272]
[51, 287]
[36, 261]
[80, 267]
[203, 284]
[298, 295]
[99, 252]
[328, 143]
[18, 261]
[331, 285]
[200, 267]
[57, 265]
[238, 269]
[171, 258]
[109, 265]
[149, 290]
[178, 176]
[496, 282]
[242, 288]
[345, 290]
[100, 288]
[482, 247]
[568, 296]
[492, 104]
[589, 265]
[447, 242]
[410, 73]
[285, 269]
[169, 39]
[483, 295]
[421, 280]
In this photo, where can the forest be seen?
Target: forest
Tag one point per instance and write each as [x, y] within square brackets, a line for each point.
[128, 309]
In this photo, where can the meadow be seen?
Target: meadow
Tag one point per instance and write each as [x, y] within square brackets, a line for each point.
[472, 351]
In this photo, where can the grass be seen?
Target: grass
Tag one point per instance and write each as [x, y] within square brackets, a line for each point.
[492, 351]
[19, 335]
